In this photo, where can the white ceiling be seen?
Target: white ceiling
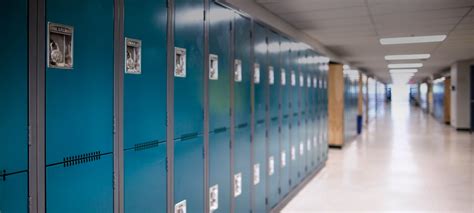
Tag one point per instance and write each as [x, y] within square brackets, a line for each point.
[352, 28]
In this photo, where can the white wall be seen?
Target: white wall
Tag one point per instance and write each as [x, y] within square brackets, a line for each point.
[461, 96]
[258, 12]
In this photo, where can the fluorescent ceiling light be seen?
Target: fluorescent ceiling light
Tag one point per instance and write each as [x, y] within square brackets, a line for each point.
[407, 57]
[412, 39]
[408, 65]
[403, 70]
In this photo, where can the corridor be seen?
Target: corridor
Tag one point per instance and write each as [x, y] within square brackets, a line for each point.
[404, 161]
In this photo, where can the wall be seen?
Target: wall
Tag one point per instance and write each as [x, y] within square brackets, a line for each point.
[460, 96]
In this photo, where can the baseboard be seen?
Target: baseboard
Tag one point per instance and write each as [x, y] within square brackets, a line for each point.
[296, 190]
[463, 129]
[336, 146]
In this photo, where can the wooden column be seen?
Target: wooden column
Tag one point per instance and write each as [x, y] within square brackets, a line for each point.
[336, 105]
[447, 100]
[360, 102]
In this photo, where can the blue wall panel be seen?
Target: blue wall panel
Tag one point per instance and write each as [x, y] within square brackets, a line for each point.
[13, 107]
[188, 106]
[145, 110]
[242, 106]
[79, 111]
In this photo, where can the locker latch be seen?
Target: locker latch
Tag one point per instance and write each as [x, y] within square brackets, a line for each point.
[4, 175]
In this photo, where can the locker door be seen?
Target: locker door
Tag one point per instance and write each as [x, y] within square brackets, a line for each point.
[295, 121]
[188, 104]
[325, 114]
[303, 116]
[79, 108]
[242, 105]
[273, 80]
[219, 107]
[319, 120]
[145, 108]
[260, 151]
[14, 107]
[285, 114]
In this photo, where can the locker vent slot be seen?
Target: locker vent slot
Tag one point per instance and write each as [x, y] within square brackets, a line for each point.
[188, 136]
[80, 159]
[218, 130]
[240, 126]
[147, 145]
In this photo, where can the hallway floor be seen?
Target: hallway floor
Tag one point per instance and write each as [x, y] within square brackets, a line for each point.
[404, 161]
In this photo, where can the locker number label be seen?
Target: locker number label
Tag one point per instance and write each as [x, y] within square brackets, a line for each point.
[213, 67]
[180, 62]
[301, 80]
[238, 70]
[256, 73]
[60, 46]
[237, 184]
[308, 144]
[180, 207]
[214, 198]
[308, 81]
[283, 159]
[271, 165]
[283, 77]
[315, 82]
[256, 174]
[271, 75]
[133, 57]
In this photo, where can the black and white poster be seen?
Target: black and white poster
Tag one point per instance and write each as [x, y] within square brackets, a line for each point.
[60, 46]
[133, 59]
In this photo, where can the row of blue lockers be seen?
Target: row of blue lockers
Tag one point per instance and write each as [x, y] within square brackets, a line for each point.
[249, 117]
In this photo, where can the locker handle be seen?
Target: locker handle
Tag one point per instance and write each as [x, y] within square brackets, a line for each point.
[188, 136]
[240, 126]
[147, 145]
[218, 130]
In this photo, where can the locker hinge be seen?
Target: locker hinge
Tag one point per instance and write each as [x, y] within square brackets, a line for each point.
[266, 201]
[4, 175]
[251, 35]
[279, 190]
[167, 3]
[230, 26]
[166, 164]
[289, 182]
[203, 153]
[204, 14]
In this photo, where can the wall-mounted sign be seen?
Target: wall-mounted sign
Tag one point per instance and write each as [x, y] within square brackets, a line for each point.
[133, 57]
[180, 207]
[214, 198]
[256, 73]
[271, 75]
[238, 70]
[179, 62]
[213, 67]
[60, 46]
[283, 77]
[237, 184]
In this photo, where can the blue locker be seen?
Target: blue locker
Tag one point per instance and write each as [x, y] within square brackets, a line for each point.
[14, 107]
[303, 119]
[285, 98]
[219, 106]
[242, 107]
[260, 151]
[79, 111]
[273, 139]
[189, 105]
[145, 108]
[295, 117]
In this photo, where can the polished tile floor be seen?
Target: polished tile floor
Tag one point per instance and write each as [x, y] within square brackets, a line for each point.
[405, 161]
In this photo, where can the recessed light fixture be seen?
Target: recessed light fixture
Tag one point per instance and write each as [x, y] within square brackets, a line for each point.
[407, 65]
[403, 70]
[412, 39]
[407, 57]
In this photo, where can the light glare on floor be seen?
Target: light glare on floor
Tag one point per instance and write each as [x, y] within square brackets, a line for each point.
[403, 70]
[412, 39]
